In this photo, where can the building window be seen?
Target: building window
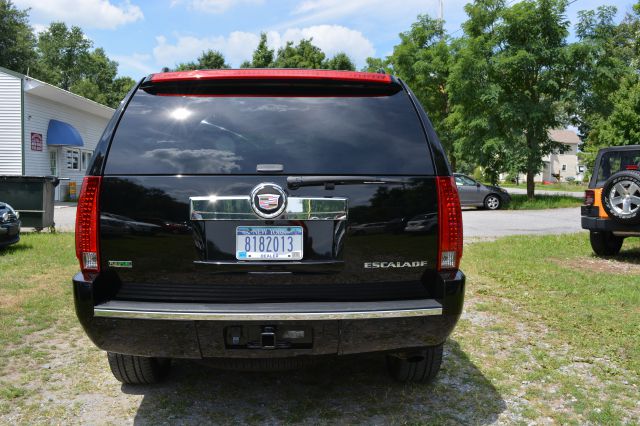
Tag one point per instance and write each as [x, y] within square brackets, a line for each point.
[564, 167]
[53, 162]
[72, 159]
[580, 169]
[86, 158]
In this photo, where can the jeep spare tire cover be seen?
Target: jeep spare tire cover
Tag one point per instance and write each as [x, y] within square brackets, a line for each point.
[621, 197]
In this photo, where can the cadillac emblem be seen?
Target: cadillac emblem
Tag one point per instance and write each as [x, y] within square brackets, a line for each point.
[268, 200]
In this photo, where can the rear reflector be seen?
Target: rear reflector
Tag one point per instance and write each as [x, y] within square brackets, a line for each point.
[449, 224]
[271, 74]
[87, 222]
[589, 197]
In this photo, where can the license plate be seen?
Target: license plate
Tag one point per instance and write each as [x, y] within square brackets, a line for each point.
[269, 242]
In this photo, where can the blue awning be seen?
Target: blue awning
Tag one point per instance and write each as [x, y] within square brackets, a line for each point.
[60, 133]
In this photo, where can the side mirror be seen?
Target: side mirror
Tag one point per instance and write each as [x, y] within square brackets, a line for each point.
[478, 184]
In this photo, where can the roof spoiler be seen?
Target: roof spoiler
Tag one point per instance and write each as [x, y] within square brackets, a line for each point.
[270, 82]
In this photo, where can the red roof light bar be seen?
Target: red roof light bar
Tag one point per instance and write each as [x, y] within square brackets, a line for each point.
[270, 74]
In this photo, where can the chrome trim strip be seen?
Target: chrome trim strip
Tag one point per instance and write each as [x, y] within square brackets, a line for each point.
[268, 262]
[239, 208]
[265, 316]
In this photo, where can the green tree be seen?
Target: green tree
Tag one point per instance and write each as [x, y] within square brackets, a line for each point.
[61, 53]
[378, 64]
[516, 64]
[622, 125]
[208, 60]
[303, 55]
[423, 59]
[340, 61]
[606, 61]
[262, 56]
[600, 64]
[17, 42]
[98, 72]
[119, 89]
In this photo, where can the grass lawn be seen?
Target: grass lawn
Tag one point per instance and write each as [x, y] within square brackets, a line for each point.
[550, 334]
[521, 202]
[568, 187]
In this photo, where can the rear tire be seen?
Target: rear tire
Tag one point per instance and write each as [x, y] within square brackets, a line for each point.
[621, 197]
[492, 202]
[416, 367]
[138, 370]
[605, 243]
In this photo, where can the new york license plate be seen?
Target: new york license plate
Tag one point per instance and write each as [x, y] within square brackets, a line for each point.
[269, 243]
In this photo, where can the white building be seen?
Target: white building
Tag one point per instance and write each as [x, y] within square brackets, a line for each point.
[45, 130]
[566, 165]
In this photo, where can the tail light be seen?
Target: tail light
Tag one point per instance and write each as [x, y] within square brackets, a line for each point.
[450, 224]
[87, 222]
[589, 197]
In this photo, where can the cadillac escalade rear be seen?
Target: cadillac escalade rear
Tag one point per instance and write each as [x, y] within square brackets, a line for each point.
[260, 216]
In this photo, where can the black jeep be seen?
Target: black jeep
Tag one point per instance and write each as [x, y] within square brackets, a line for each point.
[612, 203]
[215, 223]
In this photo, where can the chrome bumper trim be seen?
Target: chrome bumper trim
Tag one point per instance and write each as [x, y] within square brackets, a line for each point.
[239, 208]
[174, 313]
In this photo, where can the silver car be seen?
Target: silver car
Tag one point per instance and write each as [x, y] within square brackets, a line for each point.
[475, 194]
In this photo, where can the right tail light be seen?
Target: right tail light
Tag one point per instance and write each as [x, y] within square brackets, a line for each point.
[449, 224]
[87, 222]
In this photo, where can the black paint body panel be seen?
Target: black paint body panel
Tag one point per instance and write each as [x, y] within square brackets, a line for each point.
[145, 219]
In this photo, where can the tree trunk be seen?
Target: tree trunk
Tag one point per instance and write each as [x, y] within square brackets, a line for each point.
[531, 186]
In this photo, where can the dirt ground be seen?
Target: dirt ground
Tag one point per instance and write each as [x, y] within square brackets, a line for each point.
[490, 375]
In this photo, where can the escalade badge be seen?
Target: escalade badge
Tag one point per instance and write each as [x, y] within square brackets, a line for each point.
[268, 200]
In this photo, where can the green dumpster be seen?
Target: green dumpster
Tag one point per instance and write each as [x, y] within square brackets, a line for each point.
[32, 197]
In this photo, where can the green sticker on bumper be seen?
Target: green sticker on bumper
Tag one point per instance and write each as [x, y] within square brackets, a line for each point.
[121, 264]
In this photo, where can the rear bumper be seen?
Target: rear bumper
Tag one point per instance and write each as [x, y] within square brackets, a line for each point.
[598, 224]
[192, 330]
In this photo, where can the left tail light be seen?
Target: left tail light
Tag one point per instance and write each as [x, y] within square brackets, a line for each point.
[87, 223]
[589, 197]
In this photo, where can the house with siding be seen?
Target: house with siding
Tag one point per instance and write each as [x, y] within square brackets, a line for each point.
[563, 165]
[45, 130]
[560, 166]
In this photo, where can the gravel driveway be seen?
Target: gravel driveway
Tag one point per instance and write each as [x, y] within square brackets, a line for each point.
[486, 223]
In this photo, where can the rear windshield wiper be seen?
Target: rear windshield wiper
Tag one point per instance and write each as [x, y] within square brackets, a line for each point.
[330, 181]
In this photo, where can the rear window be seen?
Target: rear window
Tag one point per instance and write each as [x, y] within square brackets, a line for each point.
[378, 135]
[617, 161]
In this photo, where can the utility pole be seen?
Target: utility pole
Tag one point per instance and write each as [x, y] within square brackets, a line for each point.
[442, 10]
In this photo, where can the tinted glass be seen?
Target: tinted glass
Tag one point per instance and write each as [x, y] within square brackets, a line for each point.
[232, 135]
[617, 161]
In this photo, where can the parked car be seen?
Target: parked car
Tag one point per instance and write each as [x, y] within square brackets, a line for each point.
[9, 225]
[259, 163]
[368, 228]
[611, 210]
[475, 194]
[422, 223]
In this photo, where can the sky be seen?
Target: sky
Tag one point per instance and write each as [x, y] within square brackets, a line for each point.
[143, 35]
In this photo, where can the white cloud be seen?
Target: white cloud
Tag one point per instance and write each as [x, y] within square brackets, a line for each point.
[138, 62]
[87, 13]
[38, 28]
[213, 6]
[239, 46]
[236, 47]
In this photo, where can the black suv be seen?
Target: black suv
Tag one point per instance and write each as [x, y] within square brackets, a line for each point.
[216, 218]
